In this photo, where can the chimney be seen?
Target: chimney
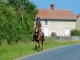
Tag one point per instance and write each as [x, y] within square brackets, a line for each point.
[52, 6]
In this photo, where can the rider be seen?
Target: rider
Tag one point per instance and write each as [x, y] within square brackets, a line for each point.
[38, 24]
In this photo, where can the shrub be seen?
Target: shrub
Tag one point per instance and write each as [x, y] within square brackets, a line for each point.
[75, 32]
[53, 34]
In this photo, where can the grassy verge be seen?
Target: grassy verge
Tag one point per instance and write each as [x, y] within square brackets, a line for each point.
[10, 52]
[50, 43]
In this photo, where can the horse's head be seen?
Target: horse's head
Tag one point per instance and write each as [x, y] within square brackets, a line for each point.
[37, 33]
[36, 30]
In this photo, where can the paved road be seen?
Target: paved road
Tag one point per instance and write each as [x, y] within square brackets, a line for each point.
[62, 53]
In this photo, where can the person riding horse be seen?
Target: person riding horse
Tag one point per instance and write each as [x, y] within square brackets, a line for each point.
[39, 26]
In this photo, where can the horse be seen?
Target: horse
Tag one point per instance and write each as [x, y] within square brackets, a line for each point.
[38, 38]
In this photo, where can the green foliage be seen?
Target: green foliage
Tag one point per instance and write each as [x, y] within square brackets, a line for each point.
[24, 6]
[75, 32]
[11, 26]
[16, 50]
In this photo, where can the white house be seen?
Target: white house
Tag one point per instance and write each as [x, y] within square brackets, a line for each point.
[59, 21]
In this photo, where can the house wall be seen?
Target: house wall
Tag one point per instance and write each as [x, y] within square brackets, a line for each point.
[78, 24]
[58, 26]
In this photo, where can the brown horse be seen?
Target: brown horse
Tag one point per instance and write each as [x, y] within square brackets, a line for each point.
[38, 39]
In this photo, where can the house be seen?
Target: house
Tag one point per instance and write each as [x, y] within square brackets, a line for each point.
[59, 21]
[78, 23]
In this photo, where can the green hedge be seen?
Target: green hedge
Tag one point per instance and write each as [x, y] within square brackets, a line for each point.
[75, 32]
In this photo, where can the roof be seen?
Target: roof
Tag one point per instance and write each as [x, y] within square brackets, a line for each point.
[56, 14]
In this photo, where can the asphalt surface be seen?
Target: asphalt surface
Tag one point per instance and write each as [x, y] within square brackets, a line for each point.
[62, 53]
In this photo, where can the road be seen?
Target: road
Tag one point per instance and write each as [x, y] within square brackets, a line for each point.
[62, 53]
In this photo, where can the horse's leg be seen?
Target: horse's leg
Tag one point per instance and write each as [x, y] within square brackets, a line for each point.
[38, 45]
[35, 45]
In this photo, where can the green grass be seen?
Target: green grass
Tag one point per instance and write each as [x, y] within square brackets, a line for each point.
[10, 52]
[50, 43]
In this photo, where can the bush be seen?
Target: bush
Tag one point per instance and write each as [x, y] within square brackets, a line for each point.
[53, 34]
[15, 26]
[75, 32]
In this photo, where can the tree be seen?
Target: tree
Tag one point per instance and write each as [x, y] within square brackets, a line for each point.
[2, 21]
[24, 5]
[16, 20]
[26, 11]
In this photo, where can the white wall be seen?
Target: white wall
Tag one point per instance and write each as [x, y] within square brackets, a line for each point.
[58, 26]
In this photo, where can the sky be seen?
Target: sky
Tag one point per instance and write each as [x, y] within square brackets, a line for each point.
[73, 5]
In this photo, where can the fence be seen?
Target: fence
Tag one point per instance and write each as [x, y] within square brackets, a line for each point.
[66, 38]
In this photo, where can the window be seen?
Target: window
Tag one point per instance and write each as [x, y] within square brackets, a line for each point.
[46, 22]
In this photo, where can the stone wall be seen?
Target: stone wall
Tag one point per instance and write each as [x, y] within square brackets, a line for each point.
[62, 38]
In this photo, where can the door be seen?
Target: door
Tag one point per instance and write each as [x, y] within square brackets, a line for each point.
[67, 31]
[46, 31]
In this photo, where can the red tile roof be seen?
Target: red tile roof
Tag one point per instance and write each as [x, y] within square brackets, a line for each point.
[56, 14]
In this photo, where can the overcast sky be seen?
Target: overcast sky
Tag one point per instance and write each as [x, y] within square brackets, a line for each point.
[73, 5]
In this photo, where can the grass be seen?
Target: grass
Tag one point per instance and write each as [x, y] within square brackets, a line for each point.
[57, 43]
[10, 52]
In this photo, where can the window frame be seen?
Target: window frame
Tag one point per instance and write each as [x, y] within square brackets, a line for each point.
[46, 22]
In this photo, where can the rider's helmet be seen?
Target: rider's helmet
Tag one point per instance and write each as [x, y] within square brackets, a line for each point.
[38, 18]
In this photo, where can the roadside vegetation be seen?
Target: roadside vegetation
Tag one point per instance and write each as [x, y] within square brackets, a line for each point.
[16, 30]
[75, 32]
[16, 50]
[16, 20]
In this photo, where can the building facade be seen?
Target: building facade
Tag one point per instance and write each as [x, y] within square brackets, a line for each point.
[59, 21]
